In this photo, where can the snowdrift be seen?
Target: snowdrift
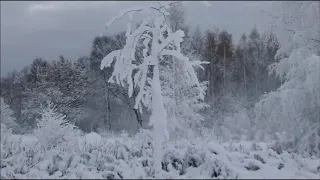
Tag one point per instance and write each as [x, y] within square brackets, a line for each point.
[121, 156]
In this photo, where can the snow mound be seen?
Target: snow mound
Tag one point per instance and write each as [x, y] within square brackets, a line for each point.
[92, 139]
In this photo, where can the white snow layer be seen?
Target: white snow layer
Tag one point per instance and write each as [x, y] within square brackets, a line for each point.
[122, 156]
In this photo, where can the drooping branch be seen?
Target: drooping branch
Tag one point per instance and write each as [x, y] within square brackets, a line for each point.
[109, 23]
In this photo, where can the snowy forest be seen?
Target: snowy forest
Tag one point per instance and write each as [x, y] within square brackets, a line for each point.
[161, 99]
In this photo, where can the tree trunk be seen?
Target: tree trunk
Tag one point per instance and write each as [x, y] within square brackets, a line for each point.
[158, 120]
[107, 121]
[138, 116]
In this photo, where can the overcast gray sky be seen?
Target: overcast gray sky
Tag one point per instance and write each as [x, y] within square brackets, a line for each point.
[47, 29]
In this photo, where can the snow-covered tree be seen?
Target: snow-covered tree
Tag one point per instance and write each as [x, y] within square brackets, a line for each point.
[254, 60]
[241, 55]
[182, 101]
[115, 95]
[159, 41]
[11, 87]
[53, 131]
[293, 110]
[197, 43]
[35, 97]
[270, 47]
[197, 48]
[33, 103]
[7, 118]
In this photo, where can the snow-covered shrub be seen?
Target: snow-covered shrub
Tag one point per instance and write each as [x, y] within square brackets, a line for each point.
[123, 157]
[18, 154]
[54, 131]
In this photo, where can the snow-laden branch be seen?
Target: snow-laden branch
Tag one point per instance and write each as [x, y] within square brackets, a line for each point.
[177, 37]
[107, 61]
[131, 11]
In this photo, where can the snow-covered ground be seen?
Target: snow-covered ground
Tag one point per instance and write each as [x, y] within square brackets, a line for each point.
[121, 156]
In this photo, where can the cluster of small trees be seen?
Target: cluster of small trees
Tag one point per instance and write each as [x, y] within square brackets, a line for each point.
[240, 69]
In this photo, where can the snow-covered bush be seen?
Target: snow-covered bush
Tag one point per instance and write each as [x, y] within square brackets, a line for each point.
[53, 130]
